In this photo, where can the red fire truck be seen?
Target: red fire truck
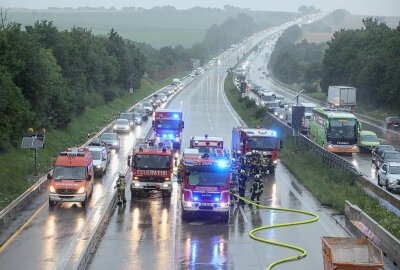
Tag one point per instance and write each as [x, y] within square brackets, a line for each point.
[72, 177]
[152, 167]
[213, 146]
[205, 184]
[168, 124]
[265, 141]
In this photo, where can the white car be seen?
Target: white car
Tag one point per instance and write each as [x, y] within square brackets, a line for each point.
[389, 176]
[122, 125]
[101, 158]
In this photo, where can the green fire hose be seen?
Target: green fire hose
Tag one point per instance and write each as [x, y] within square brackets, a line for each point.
[302, 251]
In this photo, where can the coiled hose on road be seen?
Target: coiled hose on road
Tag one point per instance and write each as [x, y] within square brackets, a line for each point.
[263, 240]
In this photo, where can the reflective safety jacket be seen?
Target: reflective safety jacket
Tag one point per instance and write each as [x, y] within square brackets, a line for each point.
[120, 184]
[258, 187]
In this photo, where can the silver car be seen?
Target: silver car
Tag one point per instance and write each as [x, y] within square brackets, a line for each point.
[122, 126]
[389, 176]
[111, 139]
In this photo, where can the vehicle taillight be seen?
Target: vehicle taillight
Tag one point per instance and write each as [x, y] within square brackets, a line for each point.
[187, 196]
[225, 197]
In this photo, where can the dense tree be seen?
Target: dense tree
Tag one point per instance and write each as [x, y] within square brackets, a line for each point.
[368, 59]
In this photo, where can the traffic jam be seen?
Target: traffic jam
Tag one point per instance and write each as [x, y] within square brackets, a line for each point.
[335, 127]
[213, 177]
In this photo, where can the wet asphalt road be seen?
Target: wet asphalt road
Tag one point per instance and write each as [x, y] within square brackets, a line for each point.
[148, 232]
[52, 236]
[362, 161]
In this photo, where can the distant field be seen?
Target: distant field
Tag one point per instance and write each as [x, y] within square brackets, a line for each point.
[158, 29]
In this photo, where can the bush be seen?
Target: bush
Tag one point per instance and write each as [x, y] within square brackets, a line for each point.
[260, 112]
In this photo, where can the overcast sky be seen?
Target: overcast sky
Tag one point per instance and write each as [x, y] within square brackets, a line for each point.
[358, 7]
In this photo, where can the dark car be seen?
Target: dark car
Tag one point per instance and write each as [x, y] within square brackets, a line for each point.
[378, 151]
[387, 156]
[392, 122]
[143, 114]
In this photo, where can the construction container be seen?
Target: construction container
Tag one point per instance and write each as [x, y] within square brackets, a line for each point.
[341, 253]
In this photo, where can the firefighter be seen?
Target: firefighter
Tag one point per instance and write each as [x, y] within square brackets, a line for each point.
[233, 188]
[257, 188]
[120, 185]
[179, 173]
[242, 179]
[254, 162]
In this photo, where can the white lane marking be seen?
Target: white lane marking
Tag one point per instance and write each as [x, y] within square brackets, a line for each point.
[242, 212]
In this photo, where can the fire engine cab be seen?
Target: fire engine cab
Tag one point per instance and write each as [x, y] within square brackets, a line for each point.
[264, 141]
[169, 124]
[152, 167]
[205, 184]
[72, 177]
[213, 146]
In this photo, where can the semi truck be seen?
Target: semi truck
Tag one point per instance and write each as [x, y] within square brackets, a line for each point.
[265, 141]
[342, 97]
[152, 166]
[72, 177]
[169, 124]
[205, 184]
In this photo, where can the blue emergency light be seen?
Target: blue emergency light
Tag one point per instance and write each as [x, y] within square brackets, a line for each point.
[170, 136]
[216, 199]
[175, 115]
[222, 163]
[195, 198]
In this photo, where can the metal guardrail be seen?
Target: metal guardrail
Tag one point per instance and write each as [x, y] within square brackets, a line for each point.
[336, 161]
[10, 212]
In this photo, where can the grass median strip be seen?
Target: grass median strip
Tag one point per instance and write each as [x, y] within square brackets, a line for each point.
[330, 186]
[17, 164]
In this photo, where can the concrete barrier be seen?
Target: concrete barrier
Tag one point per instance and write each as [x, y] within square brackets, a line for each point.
[389, 244]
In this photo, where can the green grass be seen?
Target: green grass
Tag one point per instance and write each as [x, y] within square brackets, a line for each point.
[246, 110]
[17, 164]
[330, 186]
[163, 28]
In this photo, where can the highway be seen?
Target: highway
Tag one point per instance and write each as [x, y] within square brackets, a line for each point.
[362, 161]
[148, 232]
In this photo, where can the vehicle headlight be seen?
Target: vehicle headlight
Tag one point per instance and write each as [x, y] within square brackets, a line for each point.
[81, 190]
[98, 166]
[115, 127]
[187, 204]
[165, 185]
[115, 143]
[330, 146]
[167, 179]
[223, 205]
[135, 178]
[137, 184]
[275, 162]
[52, 189]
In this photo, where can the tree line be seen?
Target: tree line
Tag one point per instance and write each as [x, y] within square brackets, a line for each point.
[297, 62]
[366, 58]
[48, 76]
